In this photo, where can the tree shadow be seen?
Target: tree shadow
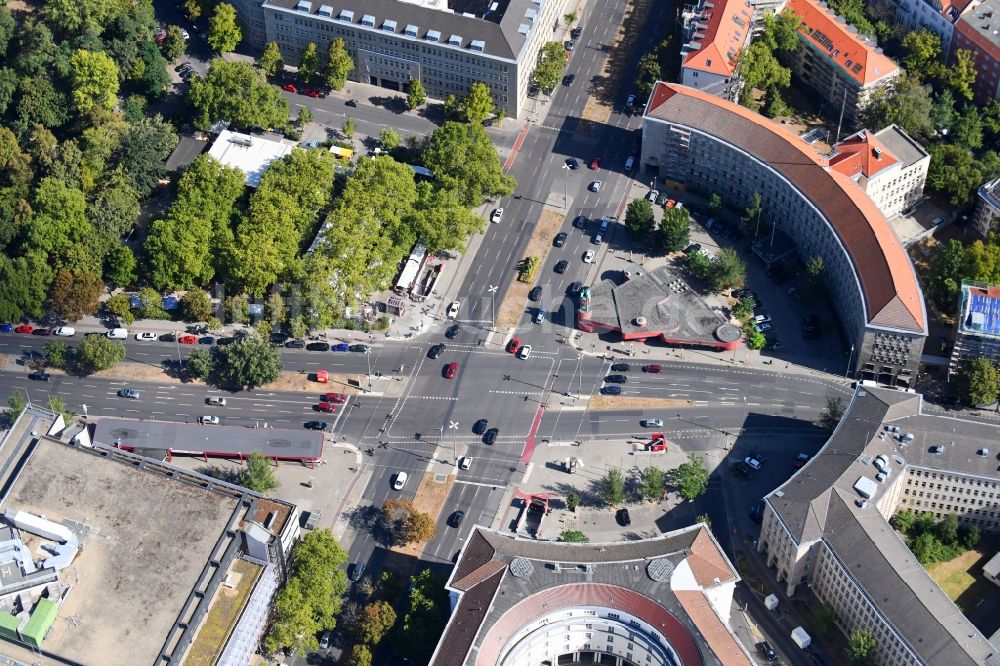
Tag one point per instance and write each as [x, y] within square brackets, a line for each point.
[394, 103]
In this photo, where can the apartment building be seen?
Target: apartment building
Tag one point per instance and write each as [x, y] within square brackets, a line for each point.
[827, 526]
[978, 31]
[889, 166]
[938, 16]
[987, 208]
[445, 44]
[977, 326]
[714, 34]
[715, 146]
[841, 65]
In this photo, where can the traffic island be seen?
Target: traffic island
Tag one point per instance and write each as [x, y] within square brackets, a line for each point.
[512, 307]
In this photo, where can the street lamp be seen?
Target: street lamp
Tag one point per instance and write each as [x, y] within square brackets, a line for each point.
[850, 358]
[493, 305]
[177, 342]
[565, 167]
[453, 425]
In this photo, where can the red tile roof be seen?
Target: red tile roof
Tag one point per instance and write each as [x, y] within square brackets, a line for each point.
[725, 31]
[887, 279]
[856, 57]
[862, 153]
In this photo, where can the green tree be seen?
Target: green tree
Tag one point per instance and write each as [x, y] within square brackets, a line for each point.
[338, 64]
[195, 305]
[730, 272]
[690, 478]
[259, 474]
[814, 283]
[674, 230]
[704, 518]
[572, 500]
[119, 266]
[16, 402]
[143, 152]
[464, 159]
[201, 364]
[825, 620]
[94, 78]
[613, 487]
[715, 203]
[743, 310]
[449, 107]
[274, 309]
[150, 305]
[947, 529]
[415, 95]
[573, 536]
[961, 74]
[648, 72]
[551, 63]
[907, 103]
[173, 45]
[270, 60]
[388, 138]
[236, 92]
[249, 363]
[861, 648]
[361, 655]
[238, 309]
[72, 296]
[155, 78]
[58, 406]
[349, 127]
[943, 113]
[755, 339]
[309, 65]
[57, 354]
[832, 413]
[759, 68]
[60, 229]
[305, 116]
[968, 129]
[904, 521]
[120, 305]
[114, 209]
[751, 214]
[971, 539]
[440, 221]
[781, 31]
[224, 32]
[954, 171]
[700, 264]
[653, 484]
[639, 220]
[923, 54]
[375, 622]
[427, 612]
[97, 353]
[478, 105]
[981, 381]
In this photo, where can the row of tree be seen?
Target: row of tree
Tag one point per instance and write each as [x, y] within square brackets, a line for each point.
[932, 540]
[690, 479]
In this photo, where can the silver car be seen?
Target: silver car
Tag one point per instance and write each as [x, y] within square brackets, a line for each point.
[651, 423]
[129, 393]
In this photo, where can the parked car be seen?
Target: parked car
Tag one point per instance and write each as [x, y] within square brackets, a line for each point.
[453, 331]
[359, 348]
[801, 460]
[311, 92]
[595, 163]
[491, 436]
[290, 344]
[630, 101]
[452, 311]
[324, 640]
[766, 651]
[290, 87]
[596, 186]
[756, 512]
[318, 346]
[572, 163]
[65, 331]
[575, 288]
[576, 32]
[465, 462]
[497, 214]
[188, 339]
[356, 571]
[588, 256]
[24, 328]
[540, 315]
[340, 347]
[6, 328]
[623, 518]
[42, 331]
[760, 328]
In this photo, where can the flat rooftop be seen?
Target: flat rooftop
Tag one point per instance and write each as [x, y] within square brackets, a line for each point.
[147, 539]
[250, 154]
[980, 310]
[656, 304]
[157, 439]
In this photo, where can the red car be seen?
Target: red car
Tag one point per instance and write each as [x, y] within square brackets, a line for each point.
[187, 339]
[336, 398]
[309, 92]
[670, 203]
[24, 328]
[514, 345]
[652, 368]
[326, 407]
[450, 370]
[290, 87]
[595, 164]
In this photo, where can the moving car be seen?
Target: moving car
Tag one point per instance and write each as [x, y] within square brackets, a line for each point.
[756, 512]
[588, 256]
[465, 462]
[455, 519]
[290, 87]
[317, 425]
[596, 186]
[653, 368]
[651, 423]
[630, 102]
[766, 651]
[535, 293]
[611, 390]
[118, 334]
[514, 345]
[480, 426]
[327, 407]
[38, 377]
[335, 398]
[351, 102]
[621, 367]
[453, 331]
[801, 460]
[210, 420]
[762, 319]
[575, 288]
[215, 400]
[569, 79]
[580, 222]
[560, 239]
[188, 339]
[452, 311]
[629, 163]
[760, 328]
[435, 350]
[752, 463]
[616, 379]
[400, 481]
[491, 436]
[540, 315]
[356, 571]
[623, 518]
[561, 266]
[65, 331]
[576, 32]
[129, 393]
[572, 163]
[450, 370]
[497, 214]
[525, 352]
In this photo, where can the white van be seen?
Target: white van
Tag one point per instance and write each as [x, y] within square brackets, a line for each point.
[65, 331]
[118, 334]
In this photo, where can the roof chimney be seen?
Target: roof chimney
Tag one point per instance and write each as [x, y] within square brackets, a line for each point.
[877, 152]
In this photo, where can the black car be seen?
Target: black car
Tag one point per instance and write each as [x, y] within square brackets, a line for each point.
[623, 518]
[453, 331]
[560, 239]
[535, 293]
[766, 651]
[561, 266]
[572, 163]
[42, 331]
[616, 379]
[364, 349]
[222, 342]
[291, 344]
[167, 337]
[611, 390]
[491, 436]
[455, 519]
[569, 79]
[318, 346]
[435, 351]
[356, 571]
[480, 426]
[621, 367]
[317, 425]
[351, 102]
[580, 222]
[576, 32]
[575, 288]
[206, 340]
[757, 512]
[278, 339]
[38, 377]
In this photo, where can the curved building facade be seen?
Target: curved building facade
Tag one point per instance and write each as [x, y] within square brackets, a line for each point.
[709, 145]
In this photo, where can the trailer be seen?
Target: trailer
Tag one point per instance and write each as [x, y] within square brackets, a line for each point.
[801, 638]
[529, 523]
[426, 280]
[411, 269]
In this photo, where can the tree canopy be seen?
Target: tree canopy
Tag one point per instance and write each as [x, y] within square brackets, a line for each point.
[338, 64]
[95, 80]
[981, 381]
[464, 159]
[639, 220]
[551, 63]
[674, 230]
[236, 92]
[249, 363]
[690, 478]
[224, 32]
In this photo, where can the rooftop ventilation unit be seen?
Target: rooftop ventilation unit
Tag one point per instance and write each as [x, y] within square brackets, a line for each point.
[304, 6]
[411, 30]
[531, 14]
[325, 10]
[477, 45]
[937, 449]
[433, 36]
[983, 452]
[389, 26]
[241, 140]
[455, 40]
[346, 15]
[368, 20]
[524, 28]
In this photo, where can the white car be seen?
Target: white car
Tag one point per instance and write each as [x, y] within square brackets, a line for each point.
[65, 331]
[752, 463]
[465, 462]
[651, 196]
[185, 34]
[762, 319]
[215, 400]
[524, 352]
[651, 423]
[497, 214]
[210, 420]
[588, 257]
[452, 310]
[145, 336]
[400, 481]
[596, 186]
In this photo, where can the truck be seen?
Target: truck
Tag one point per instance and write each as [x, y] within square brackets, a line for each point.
[656, 444]
[529, 523]
[801, 638]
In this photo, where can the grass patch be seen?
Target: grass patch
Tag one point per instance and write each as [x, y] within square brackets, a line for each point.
[222, 616]
[429, 499]
[962, 578]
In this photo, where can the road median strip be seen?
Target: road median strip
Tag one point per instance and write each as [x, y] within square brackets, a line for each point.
[513, 305]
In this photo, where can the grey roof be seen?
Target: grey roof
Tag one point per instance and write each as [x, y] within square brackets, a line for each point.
[906, 150]
[498, 31]
[819, 502]
[154, 438]
[992, 568]
[983, 21]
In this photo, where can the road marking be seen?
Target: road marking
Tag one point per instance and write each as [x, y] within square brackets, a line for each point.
[477, 483]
